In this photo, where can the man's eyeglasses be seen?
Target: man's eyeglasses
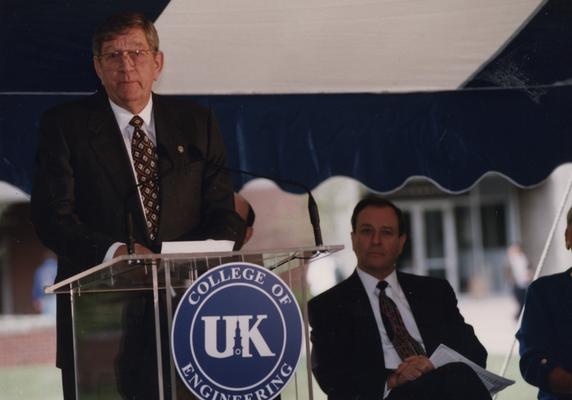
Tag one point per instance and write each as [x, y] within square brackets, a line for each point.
[115, 57]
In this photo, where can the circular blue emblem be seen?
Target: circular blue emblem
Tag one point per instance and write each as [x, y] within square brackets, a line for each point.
[237, 332]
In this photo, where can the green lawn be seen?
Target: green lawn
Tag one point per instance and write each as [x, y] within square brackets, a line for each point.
[37, 382]
[520, 390]
[42, 382]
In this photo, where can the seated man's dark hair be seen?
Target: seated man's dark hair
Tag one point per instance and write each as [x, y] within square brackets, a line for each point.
[376, 201]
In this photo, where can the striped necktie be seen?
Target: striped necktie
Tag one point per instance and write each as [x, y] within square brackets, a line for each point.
[145, 161]
[402, 341]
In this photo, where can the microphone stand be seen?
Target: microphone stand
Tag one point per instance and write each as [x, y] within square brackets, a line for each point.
[312, 205]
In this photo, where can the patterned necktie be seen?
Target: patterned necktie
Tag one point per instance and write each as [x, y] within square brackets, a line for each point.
[404, 344]
[146, 162]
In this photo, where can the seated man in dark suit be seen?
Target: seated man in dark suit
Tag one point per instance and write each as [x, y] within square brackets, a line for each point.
[372, 333]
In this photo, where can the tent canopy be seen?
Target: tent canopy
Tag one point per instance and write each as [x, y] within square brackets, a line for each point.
[310, 90]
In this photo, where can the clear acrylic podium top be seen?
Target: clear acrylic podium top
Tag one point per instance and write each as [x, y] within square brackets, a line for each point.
[135, 272]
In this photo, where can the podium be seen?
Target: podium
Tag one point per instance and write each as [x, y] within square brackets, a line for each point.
[122, 313]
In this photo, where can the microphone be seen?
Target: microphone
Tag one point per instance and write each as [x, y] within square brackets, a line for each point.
[130, 237]
[195, 155]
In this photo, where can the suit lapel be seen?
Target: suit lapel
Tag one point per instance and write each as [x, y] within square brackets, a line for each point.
[171, 148]
[107, 143]
[365, 323]
[423, 313]
[566, 291]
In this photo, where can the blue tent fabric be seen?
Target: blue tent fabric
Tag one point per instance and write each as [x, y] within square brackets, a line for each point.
[452, 138]
[381, 140]
[538, 55]
[52, 38]
[520, 128]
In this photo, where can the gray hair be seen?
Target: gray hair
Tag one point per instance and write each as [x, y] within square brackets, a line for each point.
[117, 24]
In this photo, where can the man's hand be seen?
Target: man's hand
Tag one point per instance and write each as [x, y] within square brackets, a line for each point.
[410, 369]
[560, 380]
[137, 248]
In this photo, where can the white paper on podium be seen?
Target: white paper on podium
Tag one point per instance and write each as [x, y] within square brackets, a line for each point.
[493, 382]
[197, 246]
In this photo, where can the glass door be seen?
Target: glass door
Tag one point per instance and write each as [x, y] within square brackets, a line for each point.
[431, 248]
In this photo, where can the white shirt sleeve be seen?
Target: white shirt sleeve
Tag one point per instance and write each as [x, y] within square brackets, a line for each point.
[111, 251]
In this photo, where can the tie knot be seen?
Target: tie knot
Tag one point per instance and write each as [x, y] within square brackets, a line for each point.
[136, 121]
[381, 285]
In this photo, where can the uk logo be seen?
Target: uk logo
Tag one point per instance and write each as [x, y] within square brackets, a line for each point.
[237, 334]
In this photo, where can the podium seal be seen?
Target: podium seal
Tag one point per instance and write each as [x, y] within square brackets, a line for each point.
[237, 334]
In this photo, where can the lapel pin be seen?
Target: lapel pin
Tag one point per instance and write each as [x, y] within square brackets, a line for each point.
[180, 149]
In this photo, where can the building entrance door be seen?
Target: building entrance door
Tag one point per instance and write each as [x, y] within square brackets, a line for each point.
[431, 248]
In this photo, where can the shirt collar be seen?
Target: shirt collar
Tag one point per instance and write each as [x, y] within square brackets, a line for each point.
[370, 282]
[123, 116]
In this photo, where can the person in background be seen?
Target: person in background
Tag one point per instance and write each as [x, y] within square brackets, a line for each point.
[45, 276]
[545, 334]
[520, 274]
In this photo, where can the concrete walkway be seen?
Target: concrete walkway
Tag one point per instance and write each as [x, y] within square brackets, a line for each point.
[493, 320]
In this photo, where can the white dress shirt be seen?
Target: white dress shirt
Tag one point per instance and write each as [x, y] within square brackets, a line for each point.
[395, 293]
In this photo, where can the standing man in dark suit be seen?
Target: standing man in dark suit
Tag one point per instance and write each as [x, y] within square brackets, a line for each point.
[372, 333]
[122, 154]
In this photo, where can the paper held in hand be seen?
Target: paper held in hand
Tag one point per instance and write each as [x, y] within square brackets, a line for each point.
[493, 382]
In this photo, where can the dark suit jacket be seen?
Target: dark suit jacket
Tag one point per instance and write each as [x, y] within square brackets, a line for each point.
[546, 331]
[347, 354]
[84, 186]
